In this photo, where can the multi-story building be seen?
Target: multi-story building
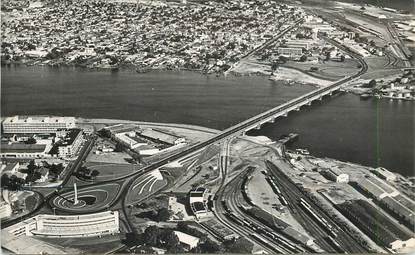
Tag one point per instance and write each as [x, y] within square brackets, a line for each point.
[65, 226]
[21, 150]
[290, 52]
[70, 144]
[36, 124]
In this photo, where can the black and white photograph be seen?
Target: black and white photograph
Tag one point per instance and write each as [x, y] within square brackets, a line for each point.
[207, 126]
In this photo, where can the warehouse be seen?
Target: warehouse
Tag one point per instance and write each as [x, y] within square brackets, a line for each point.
[159, 136]
[377, 225]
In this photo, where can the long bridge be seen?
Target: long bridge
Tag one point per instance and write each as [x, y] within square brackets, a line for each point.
[268, 116]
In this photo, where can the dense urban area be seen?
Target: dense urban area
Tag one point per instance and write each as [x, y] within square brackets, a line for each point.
[73, 185]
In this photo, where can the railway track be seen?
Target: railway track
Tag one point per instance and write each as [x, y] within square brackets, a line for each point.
[293, 193]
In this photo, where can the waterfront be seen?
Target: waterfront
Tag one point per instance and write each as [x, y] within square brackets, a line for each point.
[373, 132]
[343, 127]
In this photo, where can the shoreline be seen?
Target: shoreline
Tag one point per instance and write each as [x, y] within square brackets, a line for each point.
[94, 121]
[237, 74]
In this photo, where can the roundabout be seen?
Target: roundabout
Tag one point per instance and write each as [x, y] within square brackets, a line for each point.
[90, 199]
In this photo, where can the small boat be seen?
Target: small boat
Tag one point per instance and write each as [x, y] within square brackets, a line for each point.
[303, 151]
[365, 96]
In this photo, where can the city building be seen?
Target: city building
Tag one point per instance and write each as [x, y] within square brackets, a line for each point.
[198, 199]
[336, 175]
[384, 174]
[160, 136]
[70, 144]
[36, 124]
[401, 207]
[5, 209]
[290, 52]
[119, 128]
[12, 169]
[377, 225]
[189, 242]
[129, 139]
[178, 210]
[299, 44]
[22, 150]
[375, 187]
[65, 226]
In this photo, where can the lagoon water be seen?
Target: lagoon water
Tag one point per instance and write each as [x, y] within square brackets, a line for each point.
[371, 132]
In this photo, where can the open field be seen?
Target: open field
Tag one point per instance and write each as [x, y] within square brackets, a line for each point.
[108, 171]
[89, 245]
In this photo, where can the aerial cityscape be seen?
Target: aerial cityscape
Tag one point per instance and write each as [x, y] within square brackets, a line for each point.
[197, 126]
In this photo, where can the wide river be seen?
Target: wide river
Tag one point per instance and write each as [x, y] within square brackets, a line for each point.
[371, 132]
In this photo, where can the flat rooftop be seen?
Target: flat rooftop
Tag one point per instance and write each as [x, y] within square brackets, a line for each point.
[38, 119]
[22, 148]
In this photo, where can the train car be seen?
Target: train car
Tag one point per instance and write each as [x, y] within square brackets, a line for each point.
[289, 246]
[335, 244]
[225, 206]
[283, 201]
[273, 185]
[247, 223]
[235, 218]
[260, 238]
[323, 222]
[282, 242]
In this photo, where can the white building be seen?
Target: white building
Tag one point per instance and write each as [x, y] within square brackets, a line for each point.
[188, 241]
[161, 136]
[65, 226]
[70, 144]
[21, 150]
[37, 124]
[337, 175]
[290, 52]
[198, 199]
[385, 174]
[5, 210]
[299, 44]
[127, 139]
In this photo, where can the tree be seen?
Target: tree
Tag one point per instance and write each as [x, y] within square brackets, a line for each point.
[182, 226]
[303, 58]
[163, 214]
[170, 239]
[372, 83]
[33, 177]
[55, 170]
[274, 66]
[31, 140]
[94, 173]
[209, 247]
[5, 181]
[342, 58]
[240, 245]
[119, 147]
[328, 56]
[14, 183]
[283, 59]
[31, 167]
[104, 133]
[151, 235]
